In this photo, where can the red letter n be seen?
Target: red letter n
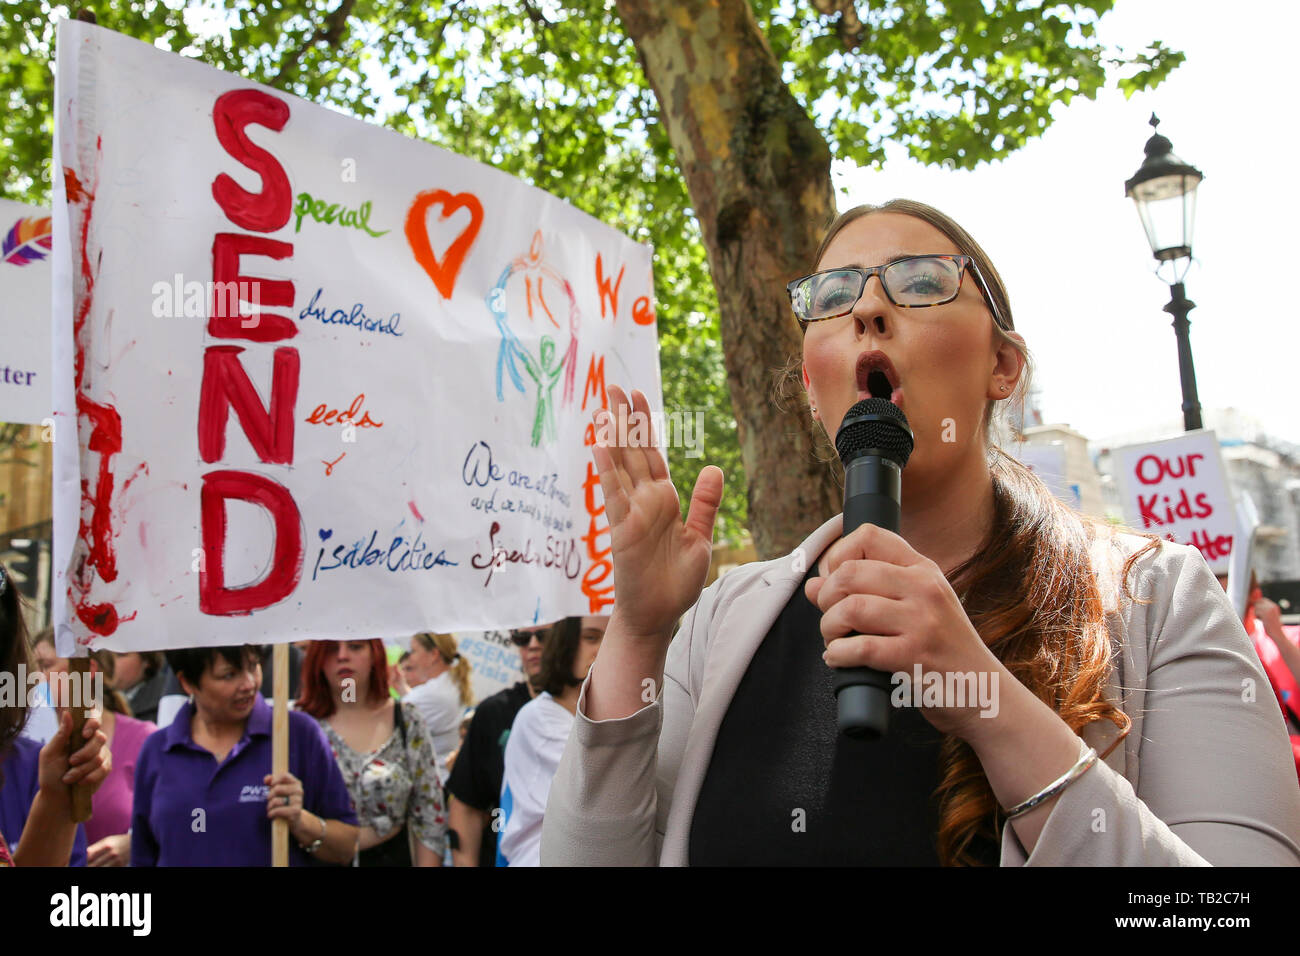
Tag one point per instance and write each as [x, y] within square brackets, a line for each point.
[286, 560]
[226, 385]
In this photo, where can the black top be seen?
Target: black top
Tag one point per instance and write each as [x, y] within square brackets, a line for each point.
[143, 697]
[481, 763]
[783, 788]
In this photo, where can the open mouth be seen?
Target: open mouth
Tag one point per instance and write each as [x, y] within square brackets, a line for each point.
[877, 378]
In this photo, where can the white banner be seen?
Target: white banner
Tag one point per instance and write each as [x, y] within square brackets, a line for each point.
[494, 659]
[25, 243]
[325, 381]
[1178, 488]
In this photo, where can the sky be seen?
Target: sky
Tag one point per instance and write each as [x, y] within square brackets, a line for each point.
[1072, 252]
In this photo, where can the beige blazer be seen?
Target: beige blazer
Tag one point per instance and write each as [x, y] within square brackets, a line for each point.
[1205, 776]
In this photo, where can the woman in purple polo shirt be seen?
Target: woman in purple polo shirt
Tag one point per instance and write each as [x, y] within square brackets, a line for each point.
[204, 794]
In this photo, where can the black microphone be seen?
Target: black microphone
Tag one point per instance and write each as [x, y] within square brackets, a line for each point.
[874, 443]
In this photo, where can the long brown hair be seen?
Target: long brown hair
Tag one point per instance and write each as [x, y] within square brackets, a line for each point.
[558, 655]
[1029, 589]
[13, 652]
[114, 700]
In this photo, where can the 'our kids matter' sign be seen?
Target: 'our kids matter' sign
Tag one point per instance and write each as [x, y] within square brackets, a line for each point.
[318, 380]
[1178, 488]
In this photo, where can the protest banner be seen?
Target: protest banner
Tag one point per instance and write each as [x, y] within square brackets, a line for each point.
[1242, 559]
[494, 661]
[1178, 488]
[26, 239]
[318, 380]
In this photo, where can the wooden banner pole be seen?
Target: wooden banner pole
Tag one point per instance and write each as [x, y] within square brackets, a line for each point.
[280, 747]
[78, 667]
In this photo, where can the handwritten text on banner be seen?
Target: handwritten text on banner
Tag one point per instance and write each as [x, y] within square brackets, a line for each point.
[325, 381]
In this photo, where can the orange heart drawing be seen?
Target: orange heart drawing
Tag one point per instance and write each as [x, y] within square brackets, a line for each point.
[442, 273]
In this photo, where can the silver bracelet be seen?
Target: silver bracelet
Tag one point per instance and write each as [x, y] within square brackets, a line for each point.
[313, 847]
[1056, 786]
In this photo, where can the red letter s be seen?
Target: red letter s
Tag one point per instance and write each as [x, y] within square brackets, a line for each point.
[268, 210]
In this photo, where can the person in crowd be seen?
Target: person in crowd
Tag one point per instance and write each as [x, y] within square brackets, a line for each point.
[538, 735]
[1278, 654]
[174, 697]
[384, 750]
[474, 787]
[36, 781]
[1115, 664]
[399, 684]
[142, 678]
[42, 718]
[108, 828]
[44, 656]
[204, 791]
[409, 675]
[464, 729]
[445, 694]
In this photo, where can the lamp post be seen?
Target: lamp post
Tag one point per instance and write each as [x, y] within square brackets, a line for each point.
[1164, 191]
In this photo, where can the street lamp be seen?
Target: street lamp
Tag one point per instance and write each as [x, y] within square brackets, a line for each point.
[1164, 191]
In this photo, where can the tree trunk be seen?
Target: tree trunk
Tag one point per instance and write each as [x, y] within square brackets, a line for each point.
[758, 172]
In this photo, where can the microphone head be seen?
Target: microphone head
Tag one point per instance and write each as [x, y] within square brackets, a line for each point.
[878, 426]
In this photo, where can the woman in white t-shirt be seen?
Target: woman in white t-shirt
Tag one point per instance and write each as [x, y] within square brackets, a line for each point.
[444, 694]
[539, 733]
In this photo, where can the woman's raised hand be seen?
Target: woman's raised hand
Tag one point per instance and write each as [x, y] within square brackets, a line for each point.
[89, 765]
[660, 562]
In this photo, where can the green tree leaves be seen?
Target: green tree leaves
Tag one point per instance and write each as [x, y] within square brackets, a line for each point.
[552, 91]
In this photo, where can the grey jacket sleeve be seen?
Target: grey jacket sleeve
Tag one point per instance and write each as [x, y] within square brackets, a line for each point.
[1210, 778]
[610, 796]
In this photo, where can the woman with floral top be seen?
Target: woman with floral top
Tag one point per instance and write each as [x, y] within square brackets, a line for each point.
[384, 750]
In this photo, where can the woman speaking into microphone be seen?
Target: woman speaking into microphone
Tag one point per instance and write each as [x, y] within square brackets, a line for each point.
[1083, 691]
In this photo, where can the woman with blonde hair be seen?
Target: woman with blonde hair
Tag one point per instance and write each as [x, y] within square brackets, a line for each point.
[444, 695]
[1107, 652]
